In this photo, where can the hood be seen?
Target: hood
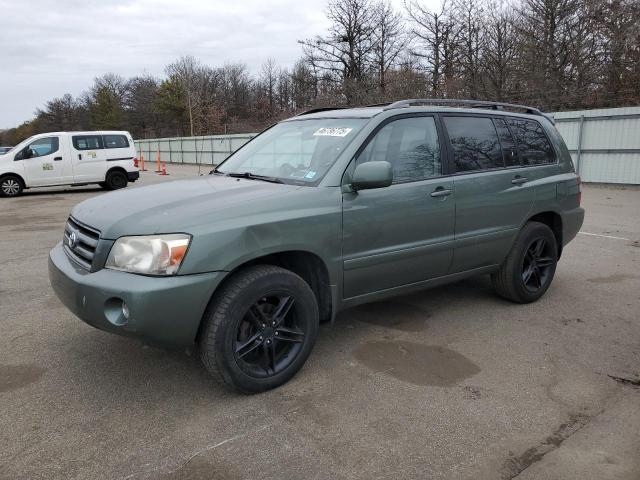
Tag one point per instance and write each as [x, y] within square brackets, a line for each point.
[177, 206]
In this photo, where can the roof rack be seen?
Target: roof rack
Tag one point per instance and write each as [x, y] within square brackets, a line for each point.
[468, 103]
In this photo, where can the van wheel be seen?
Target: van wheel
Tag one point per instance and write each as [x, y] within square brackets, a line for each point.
[11, 186]
[259, 329]
[115, 180]
[528, 270]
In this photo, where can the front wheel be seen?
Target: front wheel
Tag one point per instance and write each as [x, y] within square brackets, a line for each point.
[528, 270]
[11, 186]
[259, 328]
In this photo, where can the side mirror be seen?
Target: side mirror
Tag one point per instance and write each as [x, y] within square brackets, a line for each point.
[372, 175]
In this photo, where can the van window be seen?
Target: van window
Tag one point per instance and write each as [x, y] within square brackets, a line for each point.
[87, 142]
[509, 149]
[475, 143]
[115, 141]
[533, 146]
[410, 145]
[43, 146]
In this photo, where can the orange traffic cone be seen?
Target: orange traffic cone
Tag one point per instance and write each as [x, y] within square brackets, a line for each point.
[158, 170]
[164, 169]
[142, 169]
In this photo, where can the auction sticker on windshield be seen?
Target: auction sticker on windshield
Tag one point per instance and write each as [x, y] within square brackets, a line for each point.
[332, 132]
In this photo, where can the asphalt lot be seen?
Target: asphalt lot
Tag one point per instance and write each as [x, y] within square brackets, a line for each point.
[447, 383]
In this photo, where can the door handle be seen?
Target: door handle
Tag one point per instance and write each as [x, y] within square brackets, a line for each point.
[518, 180]
[441, 192]
[57, 159]
[79, 156]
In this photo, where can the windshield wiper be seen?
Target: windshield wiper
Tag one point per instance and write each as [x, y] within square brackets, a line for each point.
[253, 176]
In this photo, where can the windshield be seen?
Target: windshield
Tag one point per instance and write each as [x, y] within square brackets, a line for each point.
[300, 151]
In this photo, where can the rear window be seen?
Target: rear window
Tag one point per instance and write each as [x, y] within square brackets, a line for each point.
[87, 142]
[475, 143]
[115, 141]
[533, 145]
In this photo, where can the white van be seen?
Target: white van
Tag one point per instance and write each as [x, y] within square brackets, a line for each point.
[69, 158]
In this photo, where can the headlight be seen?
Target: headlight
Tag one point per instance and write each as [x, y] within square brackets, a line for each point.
[151, 255]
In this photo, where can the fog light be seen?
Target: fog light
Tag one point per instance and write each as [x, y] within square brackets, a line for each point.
[125, 310]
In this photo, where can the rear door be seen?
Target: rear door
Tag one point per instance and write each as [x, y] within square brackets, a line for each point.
[400, 234]
[88, 155]
[493, 194]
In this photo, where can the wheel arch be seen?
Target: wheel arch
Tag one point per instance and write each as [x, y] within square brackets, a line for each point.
[115, 169]
[12, 174]
[554, 221]
[309, 266]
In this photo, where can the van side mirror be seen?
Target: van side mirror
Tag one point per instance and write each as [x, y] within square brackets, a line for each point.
[372, 175]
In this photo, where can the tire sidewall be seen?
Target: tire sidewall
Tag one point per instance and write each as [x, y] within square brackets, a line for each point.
[532, 232]
[234, 313]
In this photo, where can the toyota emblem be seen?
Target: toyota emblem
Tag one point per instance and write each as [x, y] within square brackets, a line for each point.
[73, 240]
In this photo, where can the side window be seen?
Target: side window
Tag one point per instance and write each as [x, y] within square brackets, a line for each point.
[43, 146]
[509, 150]
[115, 141]
[475, 143]
[410, 145]
[87, 142]
[533, 146]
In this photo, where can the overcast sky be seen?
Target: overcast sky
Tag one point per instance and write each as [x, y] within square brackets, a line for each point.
[49, 48]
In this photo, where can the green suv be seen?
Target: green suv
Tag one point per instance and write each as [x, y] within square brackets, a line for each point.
[327, 210]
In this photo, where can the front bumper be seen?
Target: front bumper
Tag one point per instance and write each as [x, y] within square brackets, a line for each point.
[163, 310]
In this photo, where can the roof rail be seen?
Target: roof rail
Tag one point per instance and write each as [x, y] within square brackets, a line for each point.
[468, 103]
[319, 109]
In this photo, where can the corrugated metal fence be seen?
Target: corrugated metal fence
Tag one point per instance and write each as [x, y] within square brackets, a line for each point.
[604, 145]
[208, 150]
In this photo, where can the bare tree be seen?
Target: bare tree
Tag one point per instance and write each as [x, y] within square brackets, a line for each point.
[390, 42]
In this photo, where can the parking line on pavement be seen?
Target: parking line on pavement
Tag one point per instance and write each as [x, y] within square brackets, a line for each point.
[604, 236]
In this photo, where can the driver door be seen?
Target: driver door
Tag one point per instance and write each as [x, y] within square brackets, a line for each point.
[43, 163]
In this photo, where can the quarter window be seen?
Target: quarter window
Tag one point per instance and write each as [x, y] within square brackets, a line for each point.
[475, 143]
[115, 141]
[533, 146]
[87, 142]
[410, 145]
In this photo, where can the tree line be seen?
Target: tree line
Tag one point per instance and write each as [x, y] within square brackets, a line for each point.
[552, 54]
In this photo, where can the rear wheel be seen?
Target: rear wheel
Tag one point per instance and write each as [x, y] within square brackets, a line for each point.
[115, 180]
[11, 186]
[259, 329]
[528, 270]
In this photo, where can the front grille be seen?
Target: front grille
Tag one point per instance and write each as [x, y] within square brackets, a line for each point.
[80, 242]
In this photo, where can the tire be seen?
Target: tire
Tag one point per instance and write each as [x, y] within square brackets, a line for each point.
[11, 186]
[116, 180]
[239, 344]
[527, 272]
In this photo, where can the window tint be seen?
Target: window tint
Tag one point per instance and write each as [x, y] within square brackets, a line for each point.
[475, 143]
[410, 145]
[87, 142]
[115, 141]
[533, 146]
[509, 150]
[43, 146]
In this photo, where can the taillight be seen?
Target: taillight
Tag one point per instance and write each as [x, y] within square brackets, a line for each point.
[579, 191]
[135, 162]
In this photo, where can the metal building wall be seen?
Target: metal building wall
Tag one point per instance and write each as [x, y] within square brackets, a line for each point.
[604, 143]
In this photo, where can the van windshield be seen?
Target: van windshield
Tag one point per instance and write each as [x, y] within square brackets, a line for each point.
[299, 152]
